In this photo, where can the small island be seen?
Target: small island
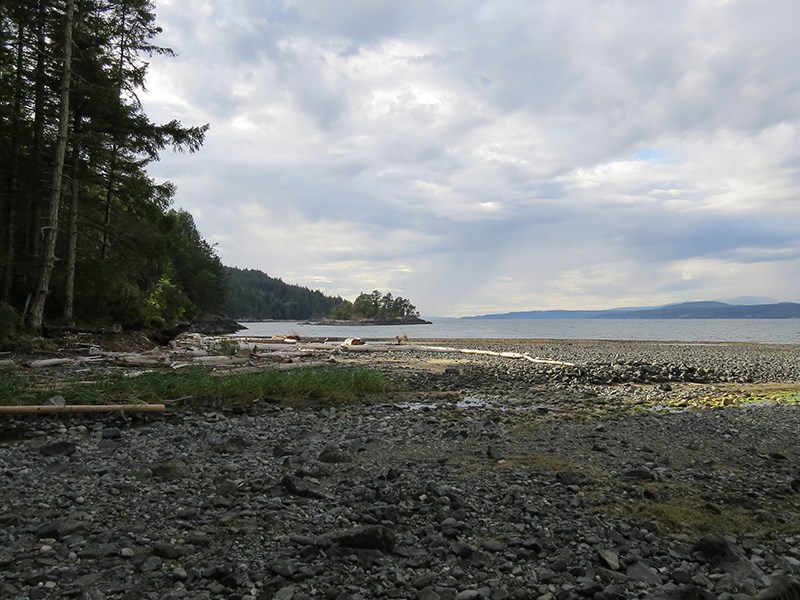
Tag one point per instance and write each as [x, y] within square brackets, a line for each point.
[373, 309]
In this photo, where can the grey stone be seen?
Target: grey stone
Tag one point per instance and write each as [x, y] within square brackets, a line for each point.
[332, 454]
[610, 557]
[641, 572]
[171, 471]
[62, 448]
[301, 487]
[374, 537]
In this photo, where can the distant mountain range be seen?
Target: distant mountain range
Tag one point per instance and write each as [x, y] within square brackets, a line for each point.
[683, 310]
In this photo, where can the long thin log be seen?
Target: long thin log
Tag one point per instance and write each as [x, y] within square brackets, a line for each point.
[394, 348]
[300, 365]
[81, 408]
[278, 354]
[49, 362]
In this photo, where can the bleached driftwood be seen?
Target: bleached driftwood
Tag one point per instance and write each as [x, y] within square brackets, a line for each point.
[298, 365]
[50, 362]
[219, 360]
[139, 360]
[210, 361]
[284, 354]
[442, 349]
[515, 355]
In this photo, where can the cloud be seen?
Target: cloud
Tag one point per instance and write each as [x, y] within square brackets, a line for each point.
[490, 156]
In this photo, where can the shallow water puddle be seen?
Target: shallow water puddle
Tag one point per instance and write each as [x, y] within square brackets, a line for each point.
[477, 403]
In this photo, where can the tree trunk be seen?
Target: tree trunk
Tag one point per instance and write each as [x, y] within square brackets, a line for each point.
[13, 186]
[109, 201]
[40, 93]
[51, 232]
[72, 254]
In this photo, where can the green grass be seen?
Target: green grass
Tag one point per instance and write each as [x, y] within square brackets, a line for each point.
[198, 386]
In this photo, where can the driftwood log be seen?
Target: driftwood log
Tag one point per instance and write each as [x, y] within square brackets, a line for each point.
[442, 349]
[81, 408]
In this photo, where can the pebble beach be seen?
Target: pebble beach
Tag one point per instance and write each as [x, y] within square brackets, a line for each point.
[632, 470]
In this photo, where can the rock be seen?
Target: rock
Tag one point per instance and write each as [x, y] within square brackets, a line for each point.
[167, 551]
[50, 529]
[641, 572]
[209, 324]
[783, 589]
[461, 550]
[372, 537]
[494, 453]
[610, 557]
[639, 473]
[111, 433]
[716, 549]
[171, 471]
[301, 487]
[685, 592]
[62, 448]
[231, 445]
[332, 454]
[493, 545]
[151, 563]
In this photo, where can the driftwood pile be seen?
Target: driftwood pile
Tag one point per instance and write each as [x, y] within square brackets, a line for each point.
[283, 352]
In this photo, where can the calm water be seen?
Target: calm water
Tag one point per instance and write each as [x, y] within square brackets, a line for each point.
[784, 331]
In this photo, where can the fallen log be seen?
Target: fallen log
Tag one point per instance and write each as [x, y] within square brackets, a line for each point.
[49, 362]
[281, 355]
[81, 408]
[300, 365]
[442, 349]
[140, 360]
[218, 360]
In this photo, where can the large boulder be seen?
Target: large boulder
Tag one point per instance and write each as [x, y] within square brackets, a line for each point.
[214, 325]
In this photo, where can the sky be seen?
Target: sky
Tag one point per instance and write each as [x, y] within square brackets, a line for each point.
[491, 156]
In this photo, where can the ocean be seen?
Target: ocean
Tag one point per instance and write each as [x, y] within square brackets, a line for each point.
[777, 331]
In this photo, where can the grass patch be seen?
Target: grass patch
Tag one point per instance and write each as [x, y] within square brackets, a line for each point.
[690, 514]
[199, 386]
[678, 507]
[544, 461]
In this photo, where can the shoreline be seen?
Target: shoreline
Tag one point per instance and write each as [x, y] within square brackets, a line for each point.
[545, 485]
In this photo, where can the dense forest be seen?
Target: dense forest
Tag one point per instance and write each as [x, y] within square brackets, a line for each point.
[86, 235]
[375, 306]
[254, 295]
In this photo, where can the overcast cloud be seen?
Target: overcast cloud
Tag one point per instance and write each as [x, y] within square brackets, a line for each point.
[488, 156]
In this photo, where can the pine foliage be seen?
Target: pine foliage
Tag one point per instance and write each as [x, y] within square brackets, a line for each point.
[121, 254]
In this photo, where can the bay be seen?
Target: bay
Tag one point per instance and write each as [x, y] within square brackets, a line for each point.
[778, 331]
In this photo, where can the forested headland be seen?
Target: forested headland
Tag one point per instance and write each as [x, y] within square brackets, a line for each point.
[86, 235]
[255, 296]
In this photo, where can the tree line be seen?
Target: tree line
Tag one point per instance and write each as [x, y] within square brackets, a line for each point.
[254, 296]
[86, 235]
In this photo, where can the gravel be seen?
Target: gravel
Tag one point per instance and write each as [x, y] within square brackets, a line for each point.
[594, 481]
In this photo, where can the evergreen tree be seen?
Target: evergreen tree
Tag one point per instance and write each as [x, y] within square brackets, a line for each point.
[118, 240]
